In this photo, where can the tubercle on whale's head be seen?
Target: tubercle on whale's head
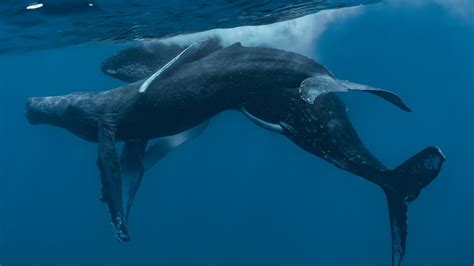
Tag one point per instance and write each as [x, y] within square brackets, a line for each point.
[47, 110]
[133, 64]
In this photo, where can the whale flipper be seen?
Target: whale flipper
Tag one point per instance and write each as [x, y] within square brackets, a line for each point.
[191, 53]
[136, 158]
[175, 62]
[277, 128]
[162, 146]
[313, 87]
[111, 179]
[131, 160]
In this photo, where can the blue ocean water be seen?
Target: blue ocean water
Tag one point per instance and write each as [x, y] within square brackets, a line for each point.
[27, 25]
[239, 195]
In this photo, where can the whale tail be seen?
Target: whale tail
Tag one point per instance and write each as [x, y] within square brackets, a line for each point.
[403, 185]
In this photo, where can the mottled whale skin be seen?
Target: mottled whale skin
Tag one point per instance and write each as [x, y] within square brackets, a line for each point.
[281, 91]
[223, 80]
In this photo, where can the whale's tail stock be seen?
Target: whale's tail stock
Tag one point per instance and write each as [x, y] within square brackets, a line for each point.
[403, 185]
[324, 129]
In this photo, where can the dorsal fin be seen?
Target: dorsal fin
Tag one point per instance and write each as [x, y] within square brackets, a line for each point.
[237, 44]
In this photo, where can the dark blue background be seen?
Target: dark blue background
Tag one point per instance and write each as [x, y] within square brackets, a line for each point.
[238, 194]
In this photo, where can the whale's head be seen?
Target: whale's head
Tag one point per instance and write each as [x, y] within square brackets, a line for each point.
[47, 110]
[59, 110]
[139, 62]
[74, 112]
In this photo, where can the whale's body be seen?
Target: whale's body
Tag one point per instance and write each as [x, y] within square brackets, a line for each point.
[199, 91]
[209, 86]
[281, 91]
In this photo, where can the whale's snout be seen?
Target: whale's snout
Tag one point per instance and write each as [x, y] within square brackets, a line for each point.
[45, 110]
[32, 112]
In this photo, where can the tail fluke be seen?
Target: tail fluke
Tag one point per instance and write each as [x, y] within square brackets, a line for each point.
[397, 208]
[404, 185]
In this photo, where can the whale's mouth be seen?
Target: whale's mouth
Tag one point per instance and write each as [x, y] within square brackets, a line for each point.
[32, 113]
[44, 110]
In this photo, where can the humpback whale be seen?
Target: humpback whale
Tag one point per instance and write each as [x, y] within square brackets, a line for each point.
[177, 90]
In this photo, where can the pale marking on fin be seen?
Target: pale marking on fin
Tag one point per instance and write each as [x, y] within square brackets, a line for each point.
[147, 82]
[264, 124]
[34, 6]
[312, 88]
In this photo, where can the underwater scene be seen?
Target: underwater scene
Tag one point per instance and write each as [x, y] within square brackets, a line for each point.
[273, 132]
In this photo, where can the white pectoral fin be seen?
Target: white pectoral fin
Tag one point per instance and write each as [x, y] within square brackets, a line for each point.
[196, 49]
[264, 124]
[311, 88]
[171, 64]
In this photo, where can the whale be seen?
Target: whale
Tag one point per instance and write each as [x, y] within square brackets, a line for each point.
[170, 100]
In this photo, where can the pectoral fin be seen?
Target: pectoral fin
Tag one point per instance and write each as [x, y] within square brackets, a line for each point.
[192, 52]
[134, 161]
[175, 62]
[161, 146]
[311, 88]
[132, 167]
[109, 167]
[277, 128]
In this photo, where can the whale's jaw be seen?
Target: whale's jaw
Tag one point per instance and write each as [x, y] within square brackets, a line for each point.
[46, 110]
